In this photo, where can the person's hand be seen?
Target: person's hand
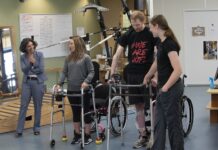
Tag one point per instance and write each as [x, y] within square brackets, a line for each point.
[32, 59]
[154, 82]
[145, 81]
[164, 89]
[84, 85]
[57, 87]
[111, 80]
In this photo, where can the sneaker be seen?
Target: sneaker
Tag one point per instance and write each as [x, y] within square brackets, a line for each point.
[141, 142]
[17, 135]
[36, 133]
[76, 139]
[88, 139]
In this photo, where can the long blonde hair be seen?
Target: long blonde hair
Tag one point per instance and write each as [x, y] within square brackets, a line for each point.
[80, 49]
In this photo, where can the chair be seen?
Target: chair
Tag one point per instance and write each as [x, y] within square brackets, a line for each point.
[95, 79]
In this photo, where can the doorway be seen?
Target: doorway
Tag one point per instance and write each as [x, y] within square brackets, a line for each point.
[8, 77]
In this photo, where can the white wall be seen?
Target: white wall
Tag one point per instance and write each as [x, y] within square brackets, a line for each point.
[173, 10]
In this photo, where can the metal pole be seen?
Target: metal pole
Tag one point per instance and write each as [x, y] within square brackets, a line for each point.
[102, 41]
[109, 116]
[63, 119]
[120, 113]
[52, 113]
[95, 113]
[82, 111]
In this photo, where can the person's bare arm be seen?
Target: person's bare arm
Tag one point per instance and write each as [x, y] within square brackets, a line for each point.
[116, 57]
[154, 80]
[177, 71]
[151, 72]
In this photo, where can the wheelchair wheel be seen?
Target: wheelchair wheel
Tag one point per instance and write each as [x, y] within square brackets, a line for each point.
[118, 117]
[187, 115]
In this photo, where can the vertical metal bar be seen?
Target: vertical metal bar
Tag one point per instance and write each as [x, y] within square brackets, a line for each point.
[126, 9]
[108, 119]
[102, 26]
[152, 113]
[95, 112]
[120, 114]
[82, 111]
[52, 113]
[63, 116]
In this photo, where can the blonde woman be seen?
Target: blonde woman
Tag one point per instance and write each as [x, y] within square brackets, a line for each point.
[79, 71]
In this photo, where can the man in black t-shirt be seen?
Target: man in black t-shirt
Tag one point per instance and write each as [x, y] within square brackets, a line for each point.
[140, 43]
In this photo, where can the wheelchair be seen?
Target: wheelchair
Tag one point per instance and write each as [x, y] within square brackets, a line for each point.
[102, 101]
[187, 112]
[122, 91]
[99, 107]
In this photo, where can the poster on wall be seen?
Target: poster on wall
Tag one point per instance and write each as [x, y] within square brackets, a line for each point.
[210, 50]
[198, 31]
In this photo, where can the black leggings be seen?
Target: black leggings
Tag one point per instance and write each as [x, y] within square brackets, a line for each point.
[77, 109]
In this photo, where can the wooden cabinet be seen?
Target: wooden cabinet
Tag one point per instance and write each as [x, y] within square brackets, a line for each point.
[213, 105]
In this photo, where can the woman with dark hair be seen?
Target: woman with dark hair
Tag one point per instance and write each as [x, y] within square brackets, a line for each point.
[170, 87]
[79, 71]
[32, 66]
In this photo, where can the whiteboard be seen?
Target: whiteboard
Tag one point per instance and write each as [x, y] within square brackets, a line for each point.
[48, 30]
[197, 67]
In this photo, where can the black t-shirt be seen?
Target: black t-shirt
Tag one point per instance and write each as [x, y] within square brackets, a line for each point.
[164, 66]
[140, 49]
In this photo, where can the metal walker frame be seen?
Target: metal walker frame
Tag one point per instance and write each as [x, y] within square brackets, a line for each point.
[63, 94]
[118, 84]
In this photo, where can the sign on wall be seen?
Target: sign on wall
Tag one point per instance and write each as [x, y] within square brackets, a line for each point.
[198, 31]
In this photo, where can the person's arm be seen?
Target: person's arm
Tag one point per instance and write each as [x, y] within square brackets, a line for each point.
[151, 72]
[64, 73]
[154, 80]
[116, 57]
[177, 70]
[38, 66]
[25, 67]
[91, 71]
